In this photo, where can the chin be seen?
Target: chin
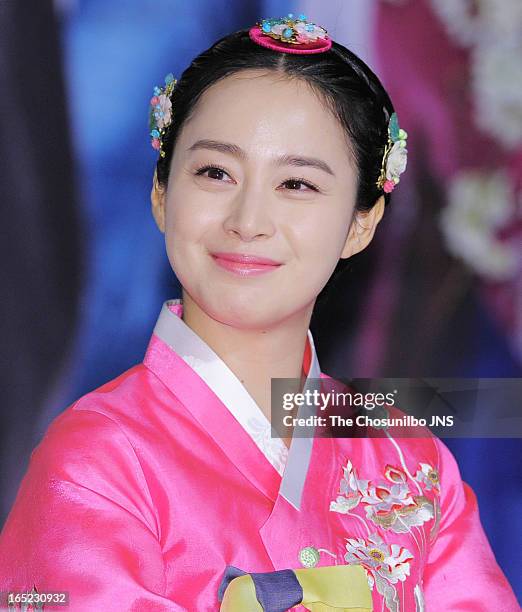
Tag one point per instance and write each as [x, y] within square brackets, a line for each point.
[243, 314]
[244, 311]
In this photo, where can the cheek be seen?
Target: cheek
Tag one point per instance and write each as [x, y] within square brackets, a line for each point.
[319, 239]
[185, 223]
[181, 233]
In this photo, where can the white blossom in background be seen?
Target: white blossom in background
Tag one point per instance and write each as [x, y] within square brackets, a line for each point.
[479, 204]
[493, 31]
[481, 21]
[501, 18]
[461, 24]
[497, 81]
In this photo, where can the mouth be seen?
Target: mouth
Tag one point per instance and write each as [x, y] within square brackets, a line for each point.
[245, 265]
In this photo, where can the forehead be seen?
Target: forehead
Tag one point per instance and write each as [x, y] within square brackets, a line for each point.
[268, 113]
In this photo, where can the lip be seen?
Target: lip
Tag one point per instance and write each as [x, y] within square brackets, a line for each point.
[245, 265]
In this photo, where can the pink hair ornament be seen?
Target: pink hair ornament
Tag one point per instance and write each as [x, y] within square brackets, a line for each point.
[291, 34]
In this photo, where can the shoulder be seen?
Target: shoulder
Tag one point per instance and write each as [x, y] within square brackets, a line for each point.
[98, 431]
[122, 406]
[92, 433]
[91, 452]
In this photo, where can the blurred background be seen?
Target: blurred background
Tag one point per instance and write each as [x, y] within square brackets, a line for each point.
[84, 271]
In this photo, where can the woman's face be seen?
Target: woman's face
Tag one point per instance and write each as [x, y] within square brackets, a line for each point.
[261, 169]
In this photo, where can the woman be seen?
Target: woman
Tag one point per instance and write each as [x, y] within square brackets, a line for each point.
[163, 489]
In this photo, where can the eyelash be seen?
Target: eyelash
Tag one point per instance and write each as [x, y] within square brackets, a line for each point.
[200, 171]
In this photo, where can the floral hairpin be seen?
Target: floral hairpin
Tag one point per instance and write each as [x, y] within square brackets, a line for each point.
[160, 113]
[291, 34]
[395, 156]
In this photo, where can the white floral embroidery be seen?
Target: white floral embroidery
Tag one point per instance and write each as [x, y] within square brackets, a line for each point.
[391, 562]
[428, 476]
[194, 362]
[434, 531]
[351, 491]
[274, 448]
[389, 506]
[383, 498]
[385, 565]
[419, 599]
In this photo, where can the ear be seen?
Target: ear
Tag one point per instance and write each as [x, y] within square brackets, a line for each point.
[157, 198]
[363, 228]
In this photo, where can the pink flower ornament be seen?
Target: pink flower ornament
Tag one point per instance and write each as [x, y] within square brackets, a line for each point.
[160, 113]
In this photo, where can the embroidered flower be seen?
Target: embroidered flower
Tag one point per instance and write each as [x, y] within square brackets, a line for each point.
[401, 518]
[384, 498]
[429, 477]
[351, 489]
[274, 448]
[419, 599]
[390, 561]
[394, 474]
[392, 506]
[388, 506]
[434, 531]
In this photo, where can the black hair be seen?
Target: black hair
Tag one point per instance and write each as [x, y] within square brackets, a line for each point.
[349, 88]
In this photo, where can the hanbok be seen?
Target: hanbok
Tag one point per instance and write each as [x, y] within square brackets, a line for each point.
[143, 494]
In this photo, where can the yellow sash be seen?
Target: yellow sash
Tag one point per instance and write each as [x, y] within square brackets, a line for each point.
[333, 588]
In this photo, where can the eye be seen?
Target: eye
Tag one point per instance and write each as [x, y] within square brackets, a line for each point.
[295, 184]
[214, 172]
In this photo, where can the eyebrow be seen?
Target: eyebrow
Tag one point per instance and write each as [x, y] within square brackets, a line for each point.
[282, 160]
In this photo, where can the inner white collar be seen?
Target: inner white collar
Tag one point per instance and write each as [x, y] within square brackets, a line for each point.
[223, 382]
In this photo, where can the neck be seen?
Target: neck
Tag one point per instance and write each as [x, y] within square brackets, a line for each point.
[254, 355]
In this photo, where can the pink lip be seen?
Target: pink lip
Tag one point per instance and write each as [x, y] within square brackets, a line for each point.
[245, 265]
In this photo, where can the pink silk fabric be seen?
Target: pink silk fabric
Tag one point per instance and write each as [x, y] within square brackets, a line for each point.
[144, 490]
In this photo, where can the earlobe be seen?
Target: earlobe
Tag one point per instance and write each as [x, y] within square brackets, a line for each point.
[362, 229]
[157, 198]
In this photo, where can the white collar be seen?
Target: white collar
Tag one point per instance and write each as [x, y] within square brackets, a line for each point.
[224, 383]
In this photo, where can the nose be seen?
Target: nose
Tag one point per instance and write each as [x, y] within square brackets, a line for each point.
[249, 216]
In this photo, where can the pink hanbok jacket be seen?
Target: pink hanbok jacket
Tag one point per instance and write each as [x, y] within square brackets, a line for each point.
[144, 491]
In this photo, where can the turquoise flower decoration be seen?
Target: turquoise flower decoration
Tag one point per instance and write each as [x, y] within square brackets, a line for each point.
[293, 29]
